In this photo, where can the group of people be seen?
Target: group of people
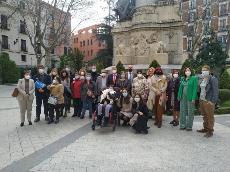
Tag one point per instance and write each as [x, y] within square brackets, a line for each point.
[137, 96]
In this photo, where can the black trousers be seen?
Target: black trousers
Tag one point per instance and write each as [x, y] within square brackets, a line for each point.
[77, 104]
[66, 105]
[141, 123]
[57, 109]
[39, 101]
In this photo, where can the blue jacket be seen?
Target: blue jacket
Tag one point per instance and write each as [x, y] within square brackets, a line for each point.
[46, 79]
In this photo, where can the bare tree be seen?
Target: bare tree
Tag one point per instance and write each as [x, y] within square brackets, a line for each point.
[48, 24]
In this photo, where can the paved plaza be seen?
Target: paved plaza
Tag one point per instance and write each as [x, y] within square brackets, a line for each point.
[71, 146]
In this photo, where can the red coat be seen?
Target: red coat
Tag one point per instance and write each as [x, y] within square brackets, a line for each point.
[76, 89]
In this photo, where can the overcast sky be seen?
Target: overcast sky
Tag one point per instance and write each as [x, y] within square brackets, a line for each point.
[95, 15]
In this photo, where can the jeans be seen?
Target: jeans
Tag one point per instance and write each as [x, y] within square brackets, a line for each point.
[39, 101]
[107, 110]
[87, 105]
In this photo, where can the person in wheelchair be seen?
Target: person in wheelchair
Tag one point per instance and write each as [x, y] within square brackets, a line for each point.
[106, 107]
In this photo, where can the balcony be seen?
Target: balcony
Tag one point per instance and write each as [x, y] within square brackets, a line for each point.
[22, 30]
[24, 49]
[5, 26]
[223, 28]
[223, 13]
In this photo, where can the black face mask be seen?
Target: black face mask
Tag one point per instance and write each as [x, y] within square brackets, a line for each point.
[130, 70]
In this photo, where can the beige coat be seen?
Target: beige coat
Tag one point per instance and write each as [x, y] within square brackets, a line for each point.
[57, 91]
[21, 89]
[157, 86]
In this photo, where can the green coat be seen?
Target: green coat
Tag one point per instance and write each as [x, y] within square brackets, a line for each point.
[191, 90]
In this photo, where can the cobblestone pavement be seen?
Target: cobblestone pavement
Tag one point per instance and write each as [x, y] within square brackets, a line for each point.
[71, 146]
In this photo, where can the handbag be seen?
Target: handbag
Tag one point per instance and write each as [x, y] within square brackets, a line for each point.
[39, 85]
[15, 92]
[52, 100]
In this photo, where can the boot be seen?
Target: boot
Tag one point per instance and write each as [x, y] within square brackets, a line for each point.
[65, 115]
[208, 134]
[46, 118]
[30, 123]
[56, 121]
[202, 131]
[22, 124]
[159, 124]
[176, 123]
[50, 121]
[37, 119]
[172, 122]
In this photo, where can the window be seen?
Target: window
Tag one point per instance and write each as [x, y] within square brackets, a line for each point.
[223, 10]
[65, 50]
[75, 50]
[207, 28]
[22, 5]
[91, 52]
[22, 27]
[87, 42]
[189, 45]
[223, 25]
[83, 43]
[223, 40]
[88, 53]
[52, 52]
[206, 2]
[75, 40]
[23, 45]
[99, 44]
[23, 58]
[192, 4]
[191, 17]
[5, 44]
[191, 30]
[4, 22]
[91, 42]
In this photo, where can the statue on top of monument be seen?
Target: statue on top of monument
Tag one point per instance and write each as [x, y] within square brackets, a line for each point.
[124, 9]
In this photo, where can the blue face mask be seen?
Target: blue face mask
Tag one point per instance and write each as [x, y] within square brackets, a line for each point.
[125, 94]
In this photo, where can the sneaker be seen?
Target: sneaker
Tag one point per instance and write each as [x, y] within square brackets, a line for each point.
[208, 134]
[172, 122]
[145, 131]
[56, 121]
[188, 129]
[37, 119]
[74, 115]
[182, 128]
[22, 124]
[176, 123]
[202, 131]
[30, 123]
[82, 117]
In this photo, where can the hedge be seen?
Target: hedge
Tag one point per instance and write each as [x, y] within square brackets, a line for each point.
[224, 95]
[223, 110]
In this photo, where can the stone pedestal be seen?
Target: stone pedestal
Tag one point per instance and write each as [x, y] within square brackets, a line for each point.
[155, 32]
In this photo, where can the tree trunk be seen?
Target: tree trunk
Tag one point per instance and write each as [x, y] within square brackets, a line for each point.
[39, 59]
[47, 59]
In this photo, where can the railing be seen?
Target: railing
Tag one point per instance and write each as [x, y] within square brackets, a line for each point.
[6, 46]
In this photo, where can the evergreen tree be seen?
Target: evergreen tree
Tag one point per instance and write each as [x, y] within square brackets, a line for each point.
[154, 64]
[120, 67]
[225, 80]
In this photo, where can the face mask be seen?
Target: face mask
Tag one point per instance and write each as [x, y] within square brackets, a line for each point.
[82, 78]
[54, 73]
[27, 76]
[41, 71]
[88, 78]
[54, 81]
[139, 75]
[137, 99]
[123, 76]
[77, 77]
[175, 75]
[94, 69]
[103, 74]
[114, 71]
[67, 69]
[125, 94]
[205, 73]
[187, 73]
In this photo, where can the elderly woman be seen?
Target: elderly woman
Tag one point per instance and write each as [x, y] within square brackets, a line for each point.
[158, 86]
[56, 92]
[151, 96]
[140, 86]
[125, 104]
[140, 115]
[25, 97]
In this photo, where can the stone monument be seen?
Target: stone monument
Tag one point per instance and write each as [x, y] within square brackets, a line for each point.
[148, 30]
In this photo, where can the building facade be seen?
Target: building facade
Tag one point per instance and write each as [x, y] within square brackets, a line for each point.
[202, 16]
[14, 39]
[86, 41]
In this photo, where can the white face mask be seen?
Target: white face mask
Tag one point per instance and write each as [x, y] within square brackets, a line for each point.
[125, 94]
[94, 69]
[175, 75]
[139, 75]
[82, 78]
[88, 78]
[188, 73]
[137, 99]
[54, 81]
[41, 71]
[27, 76]
[205, 73]
[54, 73]
[122, 76]
[103, 74]
[77, 77]
[114, 71]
